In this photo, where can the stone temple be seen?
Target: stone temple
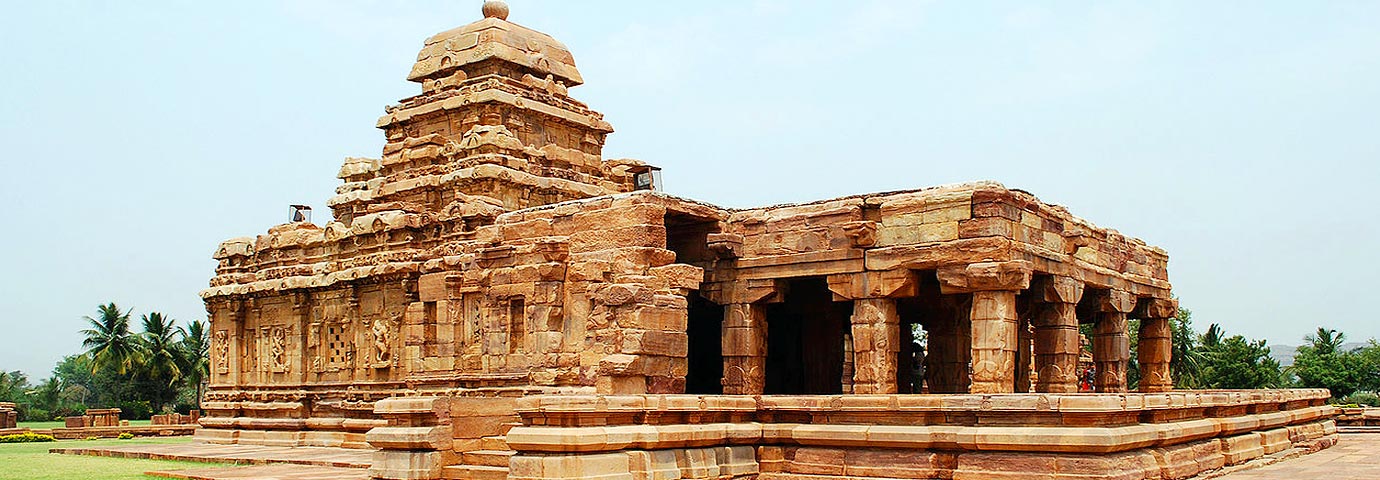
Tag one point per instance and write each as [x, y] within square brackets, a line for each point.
[494, 299]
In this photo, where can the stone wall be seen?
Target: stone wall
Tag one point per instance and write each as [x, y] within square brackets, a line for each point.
[176, 418]
[1359, 417]
[9, 417]
[95, 417]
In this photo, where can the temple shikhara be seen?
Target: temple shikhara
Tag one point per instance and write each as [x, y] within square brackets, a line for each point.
[494, 299]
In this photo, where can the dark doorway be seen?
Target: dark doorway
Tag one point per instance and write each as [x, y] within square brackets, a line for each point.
[705, 356]
[805, 336]
[910, 362]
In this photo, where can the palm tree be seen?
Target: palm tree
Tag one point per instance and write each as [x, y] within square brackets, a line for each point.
[194, 350]
[108, 341]
[1326, 342]
[162, 359]
[1186, 359]
[1212, 338]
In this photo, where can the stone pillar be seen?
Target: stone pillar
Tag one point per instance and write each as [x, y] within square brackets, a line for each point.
[876, 325]
[876, 345]
[1112, 341]
[994, 342]
[744, 343]
[1156, 344]
[1056, 334]
[993, 319]
[745, 349]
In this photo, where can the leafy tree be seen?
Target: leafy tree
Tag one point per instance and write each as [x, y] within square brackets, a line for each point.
[1320, 363]
[1370, 366]
[109, 341]
[1236, 363]
[12, 386]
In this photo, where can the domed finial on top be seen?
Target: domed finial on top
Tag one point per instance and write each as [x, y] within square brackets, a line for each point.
[496, 9]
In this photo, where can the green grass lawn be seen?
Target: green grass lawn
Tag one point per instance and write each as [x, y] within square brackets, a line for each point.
[32, 461]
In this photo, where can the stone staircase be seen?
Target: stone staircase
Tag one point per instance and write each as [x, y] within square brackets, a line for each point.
[490, 462]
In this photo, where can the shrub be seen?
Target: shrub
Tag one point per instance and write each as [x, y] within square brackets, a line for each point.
[34, 414]
[135, 410]
[126, 435]
[28, 437]
[1361, 399]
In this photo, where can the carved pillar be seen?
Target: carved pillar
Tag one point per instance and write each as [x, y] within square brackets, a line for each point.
[993, 318]
[745, 349]
[876, 345]
[994, 342]
[1156, 344]
[1056, 334]
[1112, 341]
[876, 326]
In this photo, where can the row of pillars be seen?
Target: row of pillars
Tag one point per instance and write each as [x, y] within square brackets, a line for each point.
[990, 333]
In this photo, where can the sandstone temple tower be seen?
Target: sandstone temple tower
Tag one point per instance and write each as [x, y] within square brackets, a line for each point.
[495, 299]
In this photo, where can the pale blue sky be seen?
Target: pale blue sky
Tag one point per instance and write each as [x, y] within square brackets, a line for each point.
[1240, 136]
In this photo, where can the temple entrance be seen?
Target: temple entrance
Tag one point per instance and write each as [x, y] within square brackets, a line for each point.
[705, 355]
[805, 340]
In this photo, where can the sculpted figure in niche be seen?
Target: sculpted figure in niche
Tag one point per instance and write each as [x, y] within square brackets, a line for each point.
[381, 333]
[221, 344]
[278, 350]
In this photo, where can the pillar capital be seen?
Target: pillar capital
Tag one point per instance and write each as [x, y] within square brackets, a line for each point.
[874, 284]
[1116, 301]
[1157, 308]
[744, 291]
[988, 276]
[1058, 289]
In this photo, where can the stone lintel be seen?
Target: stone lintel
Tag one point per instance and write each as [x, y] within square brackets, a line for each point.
[985, 277]
[883, 284]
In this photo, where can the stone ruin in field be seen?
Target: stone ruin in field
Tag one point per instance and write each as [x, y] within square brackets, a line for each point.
[495, 299]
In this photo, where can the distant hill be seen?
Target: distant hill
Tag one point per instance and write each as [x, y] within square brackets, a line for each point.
[1284, 354]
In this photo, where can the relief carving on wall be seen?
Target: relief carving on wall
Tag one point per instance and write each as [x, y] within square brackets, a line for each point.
[278, 358]
[220, 345]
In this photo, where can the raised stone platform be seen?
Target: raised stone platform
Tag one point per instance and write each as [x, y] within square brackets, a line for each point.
[1120, 436]
[234, 454]
[274, 472]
